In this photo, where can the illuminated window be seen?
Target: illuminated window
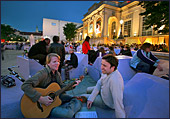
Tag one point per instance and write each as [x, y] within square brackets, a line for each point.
[113, 30]
[127, 28]
[91, 28]
[145, 32]
[98, 27]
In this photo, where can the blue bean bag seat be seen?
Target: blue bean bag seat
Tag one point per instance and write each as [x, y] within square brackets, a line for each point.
[146, 96]
[10, 100]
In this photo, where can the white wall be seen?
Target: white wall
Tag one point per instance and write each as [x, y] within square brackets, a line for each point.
[55, 29]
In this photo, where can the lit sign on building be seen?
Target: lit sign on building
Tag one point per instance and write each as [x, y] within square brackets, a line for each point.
[98, 27]
[91, 28]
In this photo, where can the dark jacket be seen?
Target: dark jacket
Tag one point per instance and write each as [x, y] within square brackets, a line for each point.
[73, 60]
[126, 52]
[59, 49]
[149, 60]
[38, 48]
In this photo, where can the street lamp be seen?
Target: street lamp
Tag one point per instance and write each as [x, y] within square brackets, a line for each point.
[80, 36]
[121, 36]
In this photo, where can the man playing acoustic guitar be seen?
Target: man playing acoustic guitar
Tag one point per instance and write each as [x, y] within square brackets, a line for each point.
[45, 77]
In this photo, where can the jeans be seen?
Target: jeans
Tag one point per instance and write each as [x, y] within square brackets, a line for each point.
[67, 109]
[98, 100]
[144, 67]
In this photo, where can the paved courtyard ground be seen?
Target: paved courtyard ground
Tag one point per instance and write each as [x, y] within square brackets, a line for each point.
[10, 60]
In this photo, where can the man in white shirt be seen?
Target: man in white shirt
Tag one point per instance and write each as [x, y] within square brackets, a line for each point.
[108, 92]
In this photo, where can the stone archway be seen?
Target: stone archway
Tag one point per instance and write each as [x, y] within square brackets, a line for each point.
[112, 27]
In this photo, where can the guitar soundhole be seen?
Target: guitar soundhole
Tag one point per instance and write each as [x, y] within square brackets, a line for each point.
[52, 95]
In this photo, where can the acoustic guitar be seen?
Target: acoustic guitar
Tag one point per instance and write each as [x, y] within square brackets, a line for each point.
[34, 109]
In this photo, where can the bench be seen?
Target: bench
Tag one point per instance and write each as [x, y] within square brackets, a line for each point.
[77, 72]
[146, 96]
[10, 100]
[28, 67]
[124, 68]
[94, 71]
[117, 51]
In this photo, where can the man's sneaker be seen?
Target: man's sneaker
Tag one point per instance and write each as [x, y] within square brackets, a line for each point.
[83, 99]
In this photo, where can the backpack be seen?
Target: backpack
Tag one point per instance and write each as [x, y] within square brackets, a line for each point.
[8, 81]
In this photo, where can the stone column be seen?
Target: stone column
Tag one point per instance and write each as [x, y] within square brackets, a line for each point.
[135, 23]
[105, 27]
[94, 28]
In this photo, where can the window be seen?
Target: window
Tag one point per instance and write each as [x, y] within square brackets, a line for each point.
[53, 24]
[145, 32]
[113, 30]
[127, 28]
[91, 28]
[98, 27]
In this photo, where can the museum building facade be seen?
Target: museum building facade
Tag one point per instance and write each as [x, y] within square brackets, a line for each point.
[114, 22]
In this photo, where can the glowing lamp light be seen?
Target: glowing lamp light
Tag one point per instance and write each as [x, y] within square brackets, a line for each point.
[135, 34]
[121, 21]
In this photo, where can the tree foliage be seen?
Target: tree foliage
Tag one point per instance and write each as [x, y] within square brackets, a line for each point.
[157, 14]
[6, 31]
[8, 34]
[70, 31]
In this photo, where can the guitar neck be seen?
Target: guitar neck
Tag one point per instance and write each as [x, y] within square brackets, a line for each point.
[64, 89]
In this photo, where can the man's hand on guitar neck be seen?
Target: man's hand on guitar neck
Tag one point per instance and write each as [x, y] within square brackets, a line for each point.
[46, 100]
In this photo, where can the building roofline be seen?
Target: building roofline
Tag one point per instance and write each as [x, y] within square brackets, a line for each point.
[63, 20]
[112, 3]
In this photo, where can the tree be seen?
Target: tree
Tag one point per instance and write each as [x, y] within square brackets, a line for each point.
[157, 15]
[6, 31]
[70, 31]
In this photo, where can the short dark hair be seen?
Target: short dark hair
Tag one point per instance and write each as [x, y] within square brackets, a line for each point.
[112, 60]
[145, 45]
[46, 39]
[111, 48]
[55, 39]
[87, 38]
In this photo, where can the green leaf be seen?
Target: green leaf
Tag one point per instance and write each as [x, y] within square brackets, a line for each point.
[157, 13]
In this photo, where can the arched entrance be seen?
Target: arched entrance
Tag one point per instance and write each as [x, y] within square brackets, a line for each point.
[112, 27]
